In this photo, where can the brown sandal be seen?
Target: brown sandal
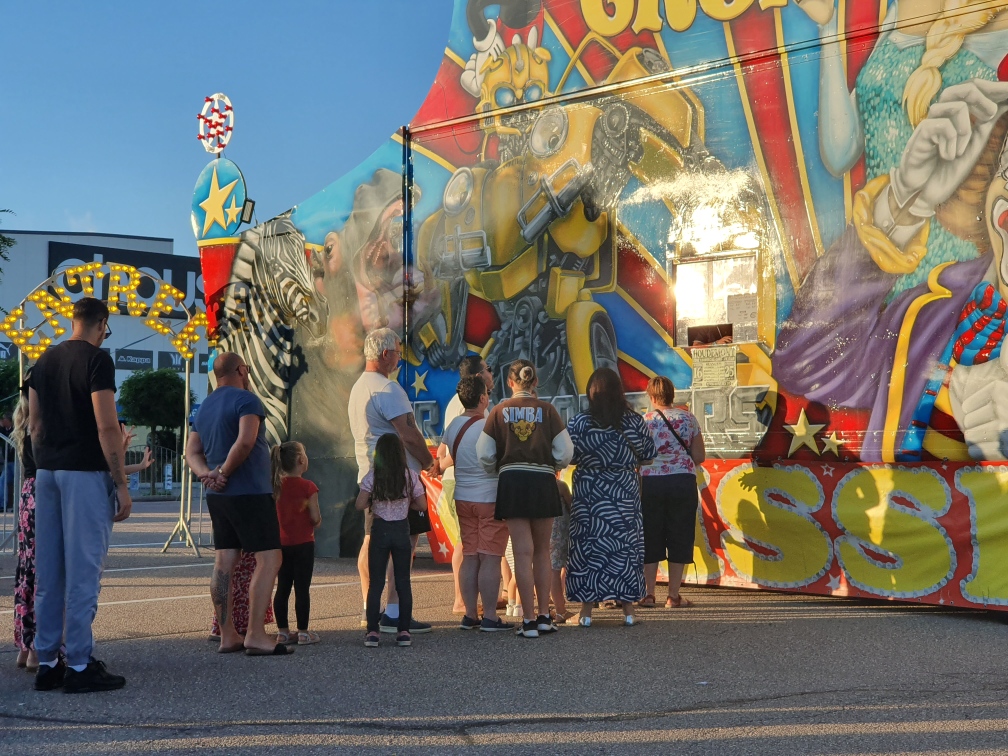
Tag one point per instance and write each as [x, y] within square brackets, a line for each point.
[648, 602]
[678, 603]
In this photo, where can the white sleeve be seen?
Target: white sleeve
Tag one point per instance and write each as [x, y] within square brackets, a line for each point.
[392, 401]
[449, 433]
[486, 452]
[563, 449]
[453, 410]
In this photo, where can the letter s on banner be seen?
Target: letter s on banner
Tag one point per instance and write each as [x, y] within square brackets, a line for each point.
[987, 490]
[772, 539]
[893, 544]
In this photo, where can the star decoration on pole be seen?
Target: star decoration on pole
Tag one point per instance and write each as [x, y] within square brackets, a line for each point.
[213, 205]
[832, 444]
[803, 434]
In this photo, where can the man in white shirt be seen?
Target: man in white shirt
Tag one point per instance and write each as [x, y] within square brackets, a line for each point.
[471, 366]
[379, 405]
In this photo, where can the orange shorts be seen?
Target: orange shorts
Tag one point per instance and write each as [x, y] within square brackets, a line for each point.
[481, 533]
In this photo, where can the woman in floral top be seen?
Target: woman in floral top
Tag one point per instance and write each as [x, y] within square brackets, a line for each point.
[669, 491]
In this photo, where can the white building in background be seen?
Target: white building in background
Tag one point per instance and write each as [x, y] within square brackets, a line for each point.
[133, 346]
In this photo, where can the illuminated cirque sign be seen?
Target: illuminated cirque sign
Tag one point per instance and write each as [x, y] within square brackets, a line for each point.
[46, 313]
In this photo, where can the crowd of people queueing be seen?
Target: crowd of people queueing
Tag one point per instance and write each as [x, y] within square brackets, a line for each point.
[633, 503]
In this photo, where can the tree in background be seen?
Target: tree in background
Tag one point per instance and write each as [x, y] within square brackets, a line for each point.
[156, 399]
[6, 243]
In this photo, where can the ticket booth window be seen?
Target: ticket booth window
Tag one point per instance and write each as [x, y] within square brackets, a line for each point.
[714, 298]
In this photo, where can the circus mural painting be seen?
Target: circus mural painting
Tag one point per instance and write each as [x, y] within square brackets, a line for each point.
[795, 210]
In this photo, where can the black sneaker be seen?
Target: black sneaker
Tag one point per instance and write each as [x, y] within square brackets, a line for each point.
[528, 629]
[495, 626]
[545, 625]
[468, 623]
[92, 679]
[50, 678]
[388, 625]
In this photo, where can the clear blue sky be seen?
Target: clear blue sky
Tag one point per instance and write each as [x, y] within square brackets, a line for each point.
[98, 125]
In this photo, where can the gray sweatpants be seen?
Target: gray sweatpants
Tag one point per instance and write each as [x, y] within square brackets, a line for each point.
[73, 523]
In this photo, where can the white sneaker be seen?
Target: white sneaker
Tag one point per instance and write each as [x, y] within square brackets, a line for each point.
[527, 629]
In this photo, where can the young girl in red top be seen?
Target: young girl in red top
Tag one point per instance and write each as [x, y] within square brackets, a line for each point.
[298, 513]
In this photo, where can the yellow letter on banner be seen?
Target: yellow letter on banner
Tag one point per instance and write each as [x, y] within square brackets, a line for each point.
[987, 490]
[599, 20]
[647, 17]
[680, 14]
[772, 539]
[892, 548]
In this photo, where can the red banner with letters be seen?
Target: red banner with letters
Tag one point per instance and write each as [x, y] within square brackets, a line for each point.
[931, 533]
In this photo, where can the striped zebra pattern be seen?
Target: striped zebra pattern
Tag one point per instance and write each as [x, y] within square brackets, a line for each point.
[606, 527]
[271, 291]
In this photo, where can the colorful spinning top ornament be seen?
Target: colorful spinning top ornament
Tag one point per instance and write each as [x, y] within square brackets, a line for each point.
[216, 123]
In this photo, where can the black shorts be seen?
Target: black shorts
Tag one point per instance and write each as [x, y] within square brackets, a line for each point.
[248, 522]
[419, 522]
[669, 505]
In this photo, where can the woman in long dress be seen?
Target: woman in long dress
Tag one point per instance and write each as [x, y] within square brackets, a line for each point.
[606, 561]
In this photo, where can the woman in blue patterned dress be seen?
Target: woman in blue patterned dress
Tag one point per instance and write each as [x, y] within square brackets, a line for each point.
[606, 559]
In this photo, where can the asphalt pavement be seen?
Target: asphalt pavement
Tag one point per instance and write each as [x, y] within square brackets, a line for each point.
[741, 672]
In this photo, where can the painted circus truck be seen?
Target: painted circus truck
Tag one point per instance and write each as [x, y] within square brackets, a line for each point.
[797, 211]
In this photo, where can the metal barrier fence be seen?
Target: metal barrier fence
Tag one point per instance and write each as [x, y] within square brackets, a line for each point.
[162, 478]
[167, 479]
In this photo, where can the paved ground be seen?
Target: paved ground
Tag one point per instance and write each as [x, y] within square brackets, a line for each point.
[743, 672]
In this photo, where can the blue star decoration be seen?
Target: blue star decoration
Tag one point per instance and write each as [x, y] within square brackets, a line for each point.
[217, 200]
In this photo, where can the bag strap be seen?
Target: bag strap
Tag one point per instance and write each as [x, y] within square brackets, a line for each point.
[673, 430]
[458, 438]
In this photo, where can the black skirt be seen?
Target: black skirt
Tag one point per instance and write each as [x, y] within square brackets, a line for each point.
[527, 494]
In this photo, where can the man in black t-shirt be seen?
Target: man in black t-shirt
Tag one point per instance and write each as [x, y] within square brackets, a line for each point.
[80, 489]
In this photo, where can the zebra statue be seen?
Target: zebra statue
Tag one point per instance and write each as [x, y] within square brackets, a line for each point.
[270, 292]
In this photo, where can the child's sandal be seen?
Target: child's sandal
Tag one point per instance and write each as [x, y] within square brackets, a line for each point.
[307, 638]
[286, 637]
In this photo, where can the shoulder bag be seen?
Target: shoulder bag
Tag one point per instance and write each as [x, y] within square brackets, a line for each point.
[458, 438]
